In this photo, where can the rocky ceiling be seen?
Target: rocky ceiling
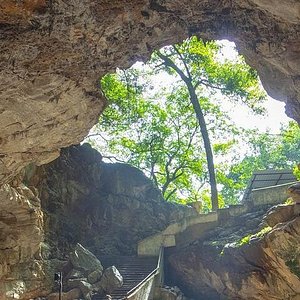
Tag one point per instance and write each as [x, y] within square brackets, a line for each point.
[53, 53]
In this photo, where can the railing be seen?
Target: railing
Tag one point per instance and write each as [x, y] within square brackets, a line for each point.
[151, 276]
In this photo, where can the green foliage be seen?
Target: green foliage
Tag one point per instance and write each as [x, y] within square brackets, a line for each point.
[206, 201]
[232, 78]
[263, 231]
[156, 130]
[289, 201]
[160, 140]
[265, 151]
[246, 239]
[296, 171]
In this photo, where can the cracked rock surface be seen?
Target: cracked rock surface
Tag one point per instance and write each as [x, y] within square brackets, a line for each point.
[54, 52]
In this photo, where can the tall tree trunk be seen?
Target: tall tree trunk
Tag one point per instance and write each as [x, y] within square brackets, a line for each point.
[200, 117]
[207, 146]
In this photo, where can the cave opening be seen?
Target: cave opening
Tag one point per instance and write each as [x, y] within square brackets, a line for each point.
[151, 124]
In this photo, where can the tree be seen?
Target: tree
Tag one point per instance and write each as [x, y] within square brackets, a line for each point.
[159, 132]
[159, 139]
[193, 61]
[188, 80]
[265, 151]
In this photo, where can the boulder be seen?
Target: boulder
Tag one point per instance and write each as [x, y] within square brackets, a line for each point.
[94, 276]
[281, 213]
[75, 274]
[83, 260]
[294, 192]
[75, 282]
[111, 280]
[86, 289]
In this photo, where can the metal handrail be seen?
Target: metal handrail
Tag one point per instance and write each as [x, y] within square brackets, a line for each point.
[273, 186]
[150, 276]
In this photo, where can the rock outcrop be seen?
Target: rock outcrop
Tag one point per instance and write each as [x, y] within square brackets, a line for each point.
[294, 192]
[54, 52]
[236, 264]
[105, 207]
[51, 58]
[21, 236]
[85, 261]
[21, 225]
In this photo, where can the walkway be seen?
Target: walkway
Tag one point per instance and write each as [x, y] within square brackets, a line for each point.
[134, 271]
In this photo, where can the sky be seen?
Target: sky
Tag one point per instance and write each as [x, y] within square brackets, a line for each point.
[275, 117]
[275, 109]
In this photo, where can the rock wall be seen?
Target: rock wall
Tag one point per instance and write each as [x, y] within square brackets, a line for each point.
[107, 208]
[233, 263]
[53, 53]
[21, 225]
[23, 272]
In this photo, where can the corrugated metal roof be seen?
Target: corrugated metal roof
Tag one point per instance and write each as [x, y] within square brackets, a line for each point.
[267, 178]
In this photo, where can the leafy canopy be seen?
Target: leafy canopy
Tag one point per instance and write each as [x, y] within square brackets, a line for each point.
[153, 126]
[265, 151]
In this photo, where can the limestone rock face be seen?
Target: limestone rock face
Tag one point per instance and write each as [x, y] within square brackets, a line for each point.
[281, 214]
[107, 208]
[21, 226]
[29, 279]
[294, 192]
[267, 267]
[53, 54]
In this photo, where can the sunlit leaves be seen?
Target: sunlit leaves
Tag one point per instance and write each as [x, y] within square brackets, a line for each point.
[233, 78]
[265, 151]
[156, 130]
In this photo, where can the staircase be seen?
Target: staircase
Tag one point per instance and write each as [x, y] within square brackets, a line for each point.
[133, 269]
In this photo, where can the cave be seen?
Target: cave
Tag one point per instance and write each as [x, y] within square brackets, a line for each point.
[54, 52]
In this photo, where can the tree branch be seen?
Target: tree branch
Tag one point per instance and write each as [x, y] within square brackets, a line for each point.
[170, 194]
[183, 61]
[171, 64]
